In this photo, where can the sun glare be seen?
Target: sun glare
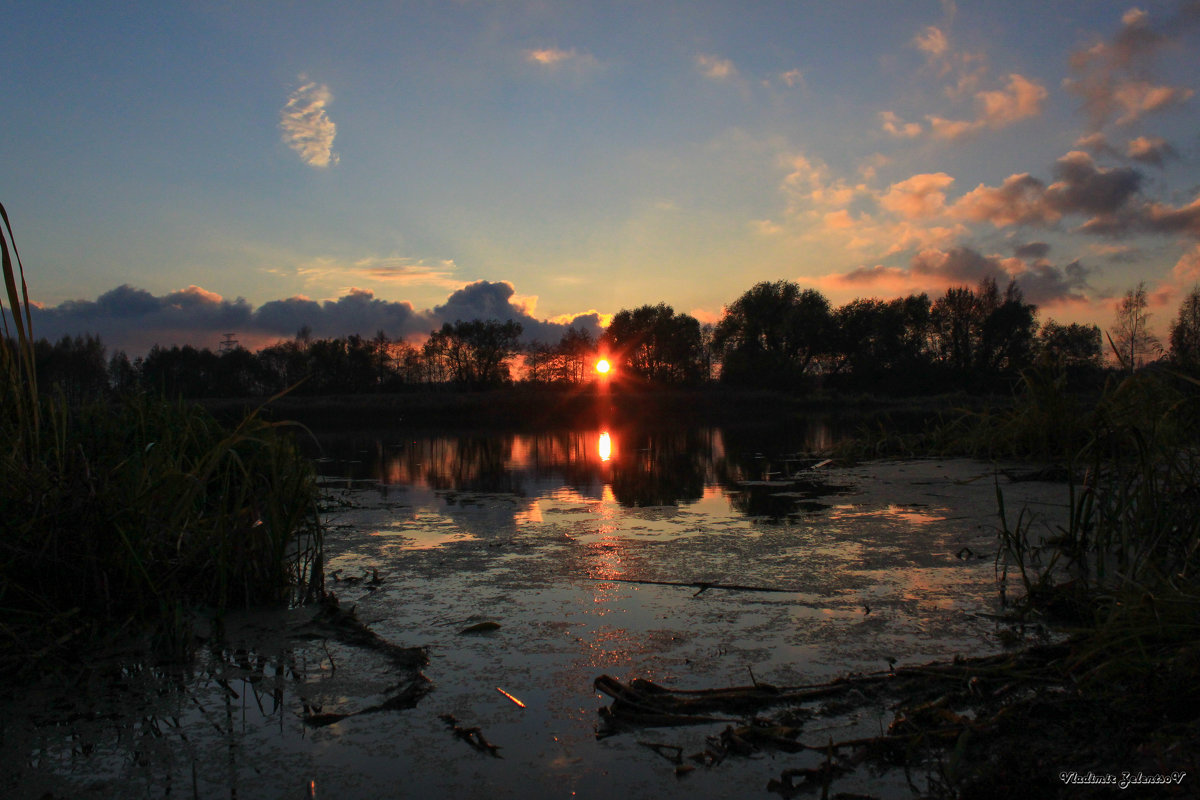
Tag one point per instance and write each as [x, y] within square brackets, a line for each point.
[602, 366]
[605, 446]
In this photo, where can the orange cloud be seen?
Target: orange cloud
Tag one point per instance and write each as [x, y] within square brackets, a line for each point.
[918, 197]
[1020, 99]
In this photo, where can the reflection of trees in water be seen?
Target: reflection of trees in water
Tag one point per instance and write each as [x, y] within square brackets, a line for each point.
[763, 471]
[648, 466]
[662, 467]
[475, 464]
[572, 456]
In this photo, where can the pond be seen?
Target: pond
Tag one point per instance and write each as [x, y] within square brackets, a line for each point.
[529, 565]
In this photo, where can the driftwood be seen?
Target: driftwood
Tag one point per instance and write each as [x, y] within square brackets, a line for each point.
[929, 695]
[334, 622]
[472, 736]
[405, 699]
[702, 586]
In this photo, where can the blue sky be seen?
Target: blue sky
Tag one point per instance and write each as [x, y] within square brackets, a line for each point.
[175, 171]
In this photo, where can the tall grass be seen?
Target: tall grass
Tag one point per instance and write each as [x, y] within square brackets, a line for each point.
[1126, 565]
[137, 510]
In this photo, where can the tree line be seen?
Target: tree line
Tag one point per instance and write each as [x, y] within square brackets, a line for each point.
[776, 335]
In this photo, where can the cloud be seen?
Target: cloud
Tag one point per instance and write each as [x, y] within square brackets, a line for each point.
[133, 319]
[1032, 250]
[716, 68]
[932, 42]
[1081, 188]
[1020, 200]
[1150, 150]
[897, 127]
[1019, 99]
[792, 78]
[1113, 77]
[307, 129]
[935, 270]
[918, 197]
[553, 57]
[399, 270]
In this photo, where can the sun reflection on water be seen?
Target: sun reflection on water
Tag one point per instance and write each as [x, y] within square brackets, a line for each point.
[605, 446]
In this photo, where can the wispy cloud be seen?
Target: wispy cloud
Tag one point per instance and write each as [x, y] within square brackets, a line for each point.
[895, 126]
[1113, 77]
[555, 58]
[716, 68]
[1020, 99]
[792, 78]
[306, 126]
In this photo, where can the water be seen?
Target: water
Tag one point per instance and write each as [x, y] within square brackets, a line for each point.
[590, 550]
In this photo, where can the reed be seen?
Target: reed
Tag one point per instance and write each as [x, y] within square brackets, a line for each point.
[1127, 562]
[138, 511]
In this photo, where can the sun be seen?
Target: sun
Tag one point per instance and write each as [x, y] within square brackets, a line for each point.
[602, 366]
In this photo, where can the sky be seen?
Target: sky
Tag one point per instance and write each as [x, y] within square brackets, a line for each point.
[177, 171]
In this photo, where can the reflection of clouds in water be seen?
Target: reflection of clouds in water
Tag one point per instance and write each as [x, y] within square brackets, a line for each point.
[912, 514]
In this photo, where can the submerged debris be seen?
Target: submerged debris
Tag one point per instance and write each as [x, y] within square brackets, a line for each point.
[472, 736]
[407, 698]
[334, 622]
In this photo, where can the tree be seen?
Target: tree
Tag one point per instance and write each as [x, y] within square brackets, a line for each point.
[657, 344]
[475, 353]
[983, 332]
[1069, 346]
[772, 334]
[1185, 333]
[1131, 339]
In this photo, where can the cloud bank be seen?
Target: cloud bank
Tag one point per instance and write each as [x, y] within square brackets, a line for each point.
[132, 319]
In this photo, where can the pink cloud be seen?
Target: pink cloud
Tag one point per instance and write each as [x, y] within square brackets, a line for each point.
[918, 197]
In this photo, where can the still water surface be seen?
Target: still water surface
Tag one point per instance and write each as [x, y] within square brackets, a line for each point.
[589, 549]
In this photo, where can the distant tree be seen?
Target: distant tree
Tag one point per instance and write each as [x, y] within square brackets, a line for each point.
[657, 344]
[122, 375]
[73, 366]
[983, 332]
[1185, 333]
[476, 353]
[283, 366]
[180, 371]
[1071, 345]
[1008, 327]
[540, 362]
[772, 334]
[237, 374]
[1131, 339]
[576, 349]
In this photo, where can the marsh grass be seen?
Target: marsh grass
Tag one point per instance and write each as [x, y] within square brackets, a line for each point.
[139, 511]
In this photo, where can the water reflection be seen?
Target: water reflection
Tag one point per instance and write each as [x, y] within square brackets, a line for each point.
[641, 467]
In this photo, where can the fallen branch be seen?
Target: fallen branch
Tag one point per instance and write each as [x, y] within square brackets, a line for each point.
[702, 586]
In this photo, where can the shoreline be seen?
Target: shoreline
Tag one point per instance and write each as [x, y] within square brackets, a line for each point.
[533, 408]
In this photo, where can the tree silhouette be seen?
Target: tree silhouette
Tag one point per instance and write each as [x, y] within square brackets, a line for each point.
[475, 353]
[657, 344]
[1131, 338]
[980, 333]
[1185, 333]
[772, 334]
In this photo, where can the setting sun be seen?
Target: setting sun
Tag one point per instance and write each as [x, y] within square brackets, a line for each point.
[602, 366]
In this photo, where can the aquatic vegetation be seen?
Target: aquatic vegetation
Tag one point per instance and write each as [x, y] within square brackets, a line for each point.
[138, 510]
